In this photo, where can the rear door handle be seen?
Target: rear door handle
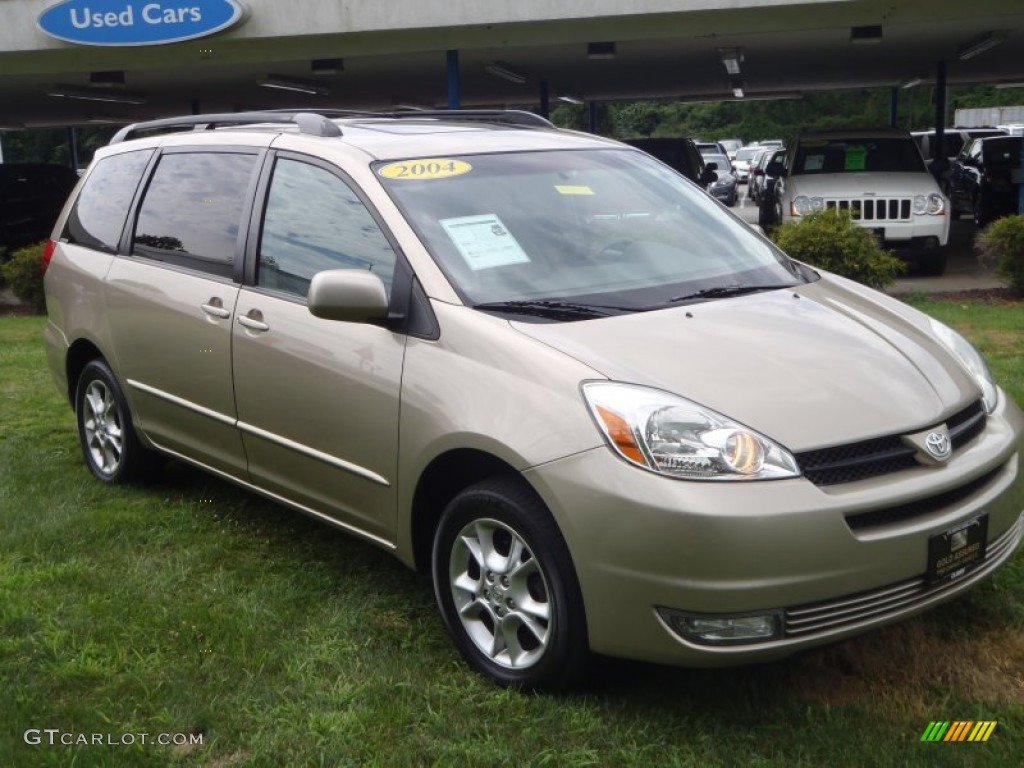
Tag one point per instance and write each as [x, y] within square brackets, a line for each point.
[215, 307]
[253, 320]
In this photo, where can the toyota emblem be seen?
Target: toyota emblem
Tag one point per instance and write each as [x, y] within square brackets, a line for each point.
[938, 445]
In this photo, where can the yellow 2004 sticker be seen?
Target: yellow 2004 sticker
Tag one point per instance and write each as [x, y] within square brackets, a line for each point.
[427, 168]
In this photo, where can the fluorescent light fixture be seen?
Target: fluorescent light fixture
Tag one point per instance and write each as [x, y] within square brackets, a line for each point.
[737, 88]
[866, 35]
[979, 45]
[604, 50]
[111, 79]
[911, 81]
[731, 58]
[89, 94]
[569, 99]
[299, 86]
[498, 69]
[326, 66]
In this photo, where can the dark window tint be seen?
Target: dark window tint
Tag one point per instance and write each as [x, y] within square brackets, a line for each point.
[99, 214]
[193, 208]
[315, 222]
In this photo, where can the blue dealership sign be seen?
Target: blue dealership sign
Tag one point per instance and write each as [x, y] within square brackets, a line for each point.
[138, 22]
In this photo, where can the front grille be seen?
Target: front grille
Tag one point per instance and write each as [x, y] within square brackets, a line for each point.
[891, 600]
[882, 455]
[874, 209]
[919, 507]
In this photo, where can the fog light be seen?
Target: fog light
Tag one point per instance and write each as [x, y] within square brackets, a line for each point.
[722, 630]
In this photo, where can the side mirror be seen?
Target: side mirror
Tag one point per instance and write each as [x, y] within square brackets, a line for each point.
[709, 176]
[757, 172]
[711, 166]
[351, 295]
[775, 168]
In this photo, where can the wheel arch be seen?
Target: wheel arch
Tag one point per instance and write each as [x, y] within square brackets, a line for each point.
[80, 354]
[443, 478]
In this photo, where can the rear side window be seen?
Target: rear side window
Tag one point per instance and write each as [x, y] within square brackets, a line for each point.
[313, 222]
[98, 217]
[192, 210]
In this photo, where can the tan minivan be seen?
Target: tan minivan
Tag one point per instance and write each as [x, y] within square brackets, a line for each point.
[601, 410]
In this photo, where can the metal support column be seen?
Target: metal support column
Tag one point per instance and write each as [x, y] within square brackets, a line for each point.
[894, 103]
[939, 154]
[545, 104]
[72, 148]
[592, 115]
[454, 85]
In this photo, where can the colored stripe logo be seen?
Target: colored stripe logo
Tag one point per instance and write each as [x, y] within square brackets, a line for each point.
[959, 730]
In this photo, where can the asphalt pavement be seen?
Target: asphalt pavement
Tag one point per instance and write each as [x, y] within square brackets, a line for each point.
[963, 273]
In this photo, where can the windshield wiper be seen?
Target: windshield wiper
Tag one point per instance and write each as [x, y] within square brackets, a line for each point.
[546, 308]
[733, 289]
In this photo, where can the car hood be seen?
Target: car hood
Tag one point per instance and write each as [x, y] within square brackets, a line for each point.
[823, 364]
[852, 184]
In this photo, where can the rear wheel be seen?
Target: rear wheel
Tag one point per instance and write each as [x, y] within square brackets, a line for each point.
[111, 448]
[506, 587]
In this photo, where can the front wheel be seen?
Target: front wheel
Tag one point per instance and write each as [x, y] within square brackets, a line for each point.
[109, 443]
[506, 587]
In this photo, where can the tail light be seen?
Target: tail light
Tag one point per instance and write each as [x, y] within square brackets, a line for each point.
[48, 250]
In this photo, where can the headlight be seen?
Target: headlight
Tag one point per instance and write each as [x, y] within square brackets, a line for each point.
[972, 360]
[932, 204]
[673, 436]
[803, 205]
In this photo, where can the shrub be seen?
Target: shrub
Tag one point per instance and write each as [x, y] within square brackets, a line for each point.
[3, 260]
[829, 239]
[23, 272]
[1000, 248]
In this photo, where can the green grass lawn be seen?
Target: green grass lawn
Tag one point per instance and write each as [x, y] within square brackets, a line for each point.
[192, 607]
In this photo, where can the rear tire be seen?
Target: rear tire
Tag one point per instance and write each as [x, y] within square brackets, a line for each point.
[110, 446]
[507, 589]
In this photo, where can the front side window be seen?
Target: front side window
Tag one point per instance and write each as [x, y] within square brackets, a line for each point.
[98, 217]
[192, 210]
[606, 227]
[315, 222]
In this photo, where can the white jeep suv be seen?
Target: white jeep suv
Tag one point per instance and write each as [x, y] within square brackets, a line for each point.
[881, 177]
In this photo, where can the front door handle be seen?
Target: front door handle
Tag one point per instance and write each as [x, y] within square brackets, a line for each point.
[253, 320]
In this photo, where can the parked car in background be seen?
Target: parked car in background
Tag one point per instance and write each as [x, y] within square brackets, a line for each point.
[599, 411]
[758, 181]
[878, 175]
[31, 196]
[772, 143]
[724, 187]
[980, 180]
[711, 147]
[768, 210]
[680, 154]
[741, 163]
[731, 146]
[954, 139]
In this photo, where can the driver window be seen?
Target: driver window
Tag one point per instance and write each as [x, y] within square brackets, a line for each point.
[314, 222]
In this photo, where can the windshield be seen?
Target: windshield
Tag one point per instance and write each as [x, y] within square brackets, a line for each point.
[746, 153]
[721, 160]
[606, 227]
[857, 155]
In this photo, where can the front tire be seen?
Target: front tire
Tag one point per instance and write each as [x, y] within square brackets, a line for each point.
[110, 446]
[506, 587]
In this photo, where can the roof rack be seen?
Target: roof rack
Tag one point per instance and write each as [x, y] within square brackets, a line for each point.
[308, 122]
[503, 116]
[518, 117]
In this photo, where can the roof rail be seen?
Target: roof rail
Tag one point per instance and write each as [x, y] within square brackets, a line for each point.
[308, 122]
[518, 117]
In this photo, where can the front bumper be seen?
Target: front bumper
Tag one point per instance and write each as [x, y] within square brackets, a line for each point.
[641, 541]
